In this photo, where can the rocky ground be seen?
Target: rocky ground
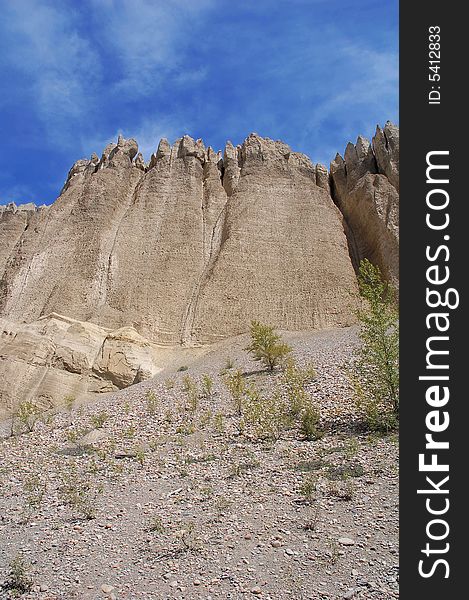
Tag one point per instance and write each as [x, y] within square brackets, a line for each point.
[154, 493]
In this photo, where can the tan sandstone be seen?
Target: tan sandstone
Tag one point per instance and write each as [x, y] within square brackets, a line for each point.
[134, 259]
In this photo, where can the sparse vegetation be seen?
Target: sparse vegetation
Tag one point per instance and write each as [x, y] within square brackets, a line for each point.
[267, 346]
[264, 414]
[69, 401]
[374, 373]
[140, 456]
[247, 467]
[310, 419]
[343, 472]
[293, 381]
[207, 386]
[236, 385]
[205, 418]
[156, 525]
[27, 414]
[191, 390]
[152, 402]
[130, 432]
[187, 427]
[219, 423]
[308, 488]
[34, 489]
[344, 490]
[19, 580]
[333, 552]
[99, 419]
[351, 448]
[312, 522]
[79, 493]
[188, 538]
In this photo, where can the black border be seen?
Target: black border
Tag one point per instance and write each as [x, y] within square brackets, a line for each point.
[423, 128]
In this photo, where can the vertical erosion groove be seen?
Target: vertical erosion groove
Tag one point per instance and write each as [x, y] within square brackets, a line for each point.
[210, 258]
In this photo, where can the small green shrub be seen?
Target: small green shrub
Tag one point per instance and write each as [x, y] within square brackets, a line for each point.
[79, 493]
[374, 372]
[308, 489]
[310, 418]
[99, 419]
[265, 415]
[27, 414]
[267, 346]
[69, 401]
[152, 402]
[190, 388]
[207, 386]
[293, 382]
[19, 580]
[236, 385]
[169, 384]
[219, 423]
[34, 490]
[156, 525]
[140, 456]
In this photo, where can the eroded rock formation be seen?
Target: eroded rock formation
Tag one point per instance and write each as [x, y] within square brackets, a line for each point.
[188, 249]
[365, 186]
[57, 358]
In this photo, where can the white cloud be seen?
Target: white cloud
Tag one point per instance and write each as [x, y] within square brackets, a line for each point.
[59, 64]
[148, 40]
[142, 41]
[148, 134]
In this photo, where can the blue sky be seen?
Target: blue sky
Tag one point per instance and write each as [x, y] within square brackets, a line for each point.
[313, 73]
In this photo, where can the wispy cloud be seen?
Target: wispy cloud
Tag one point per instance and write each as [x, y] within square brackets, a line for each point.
[148, 41]
[59, 64]
[136, 44]
[314, 73]
[148, 134]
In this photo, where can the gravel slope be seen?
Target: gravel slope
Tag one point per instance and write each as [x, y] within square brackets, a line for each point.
[203, 512]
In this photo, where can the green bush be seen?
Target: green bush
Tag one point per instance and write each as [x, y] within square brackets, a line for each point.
[265, 415]
[207, 386]
[27, 414]
[267, 346]
[236, 385]
[99, 419]
[19, 581]
[152, 402]
[190, 388]
[374, 372]
[309, 425]
[293, 381]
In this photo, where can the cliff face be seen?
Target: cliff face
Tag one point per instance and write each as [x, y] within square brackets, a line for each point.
[192, 246]
[188, 249]
[365, 186]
